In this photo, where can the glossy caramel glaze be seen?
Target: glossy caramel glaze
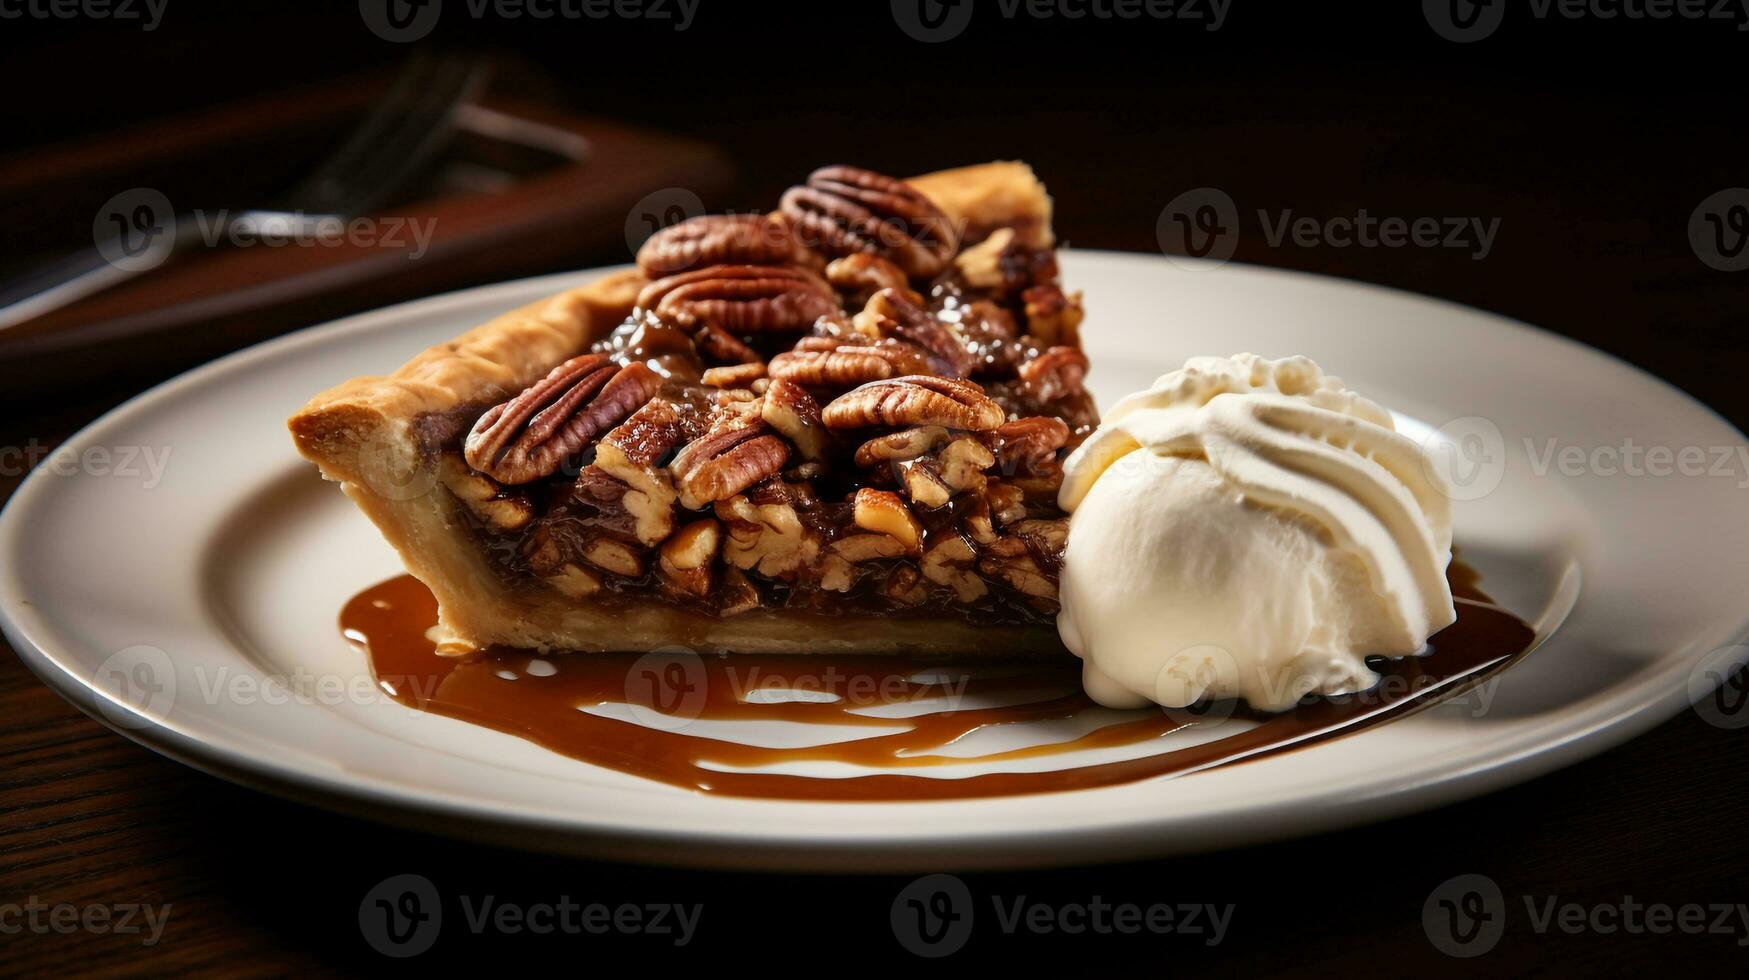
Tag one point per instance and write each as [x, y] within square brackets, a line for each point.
[543, 699]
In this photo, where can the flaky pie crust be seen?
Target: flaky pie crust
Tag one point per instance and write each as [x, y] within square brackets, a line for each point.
[363, 435]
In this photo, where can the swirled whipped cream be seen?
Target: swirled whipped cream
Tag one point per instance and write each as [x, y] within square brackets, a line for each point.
[1249, 528]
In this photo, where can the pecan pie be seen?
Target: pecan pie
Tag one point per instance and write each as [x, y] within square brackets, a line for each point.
[838, 426]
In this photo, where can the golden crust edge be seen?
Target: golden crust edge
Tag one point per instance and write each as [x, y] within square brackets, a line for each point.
[492, 361]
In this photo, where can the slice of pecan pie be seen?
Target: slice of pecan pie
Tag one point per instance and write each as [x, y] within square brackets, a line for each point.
[836, 427]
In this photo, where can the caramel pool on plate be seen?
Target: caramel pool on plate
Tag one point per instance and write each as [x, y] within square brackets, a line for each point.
[544, 700]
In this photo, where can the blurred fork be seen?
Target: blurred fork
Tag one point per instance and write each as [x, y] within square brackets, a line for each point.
[393, 144]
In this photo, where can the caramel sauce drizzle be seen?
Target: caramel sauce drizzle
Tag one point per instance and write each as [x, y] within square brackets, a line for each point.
[543, 700]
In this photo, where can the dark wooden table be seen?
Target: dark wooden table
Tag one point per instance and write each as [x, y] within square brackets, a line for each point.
[1593, 167]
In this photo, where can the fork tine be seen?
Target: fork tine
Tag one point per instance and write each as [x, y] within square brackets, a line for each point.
[403, 92]
[405, 149]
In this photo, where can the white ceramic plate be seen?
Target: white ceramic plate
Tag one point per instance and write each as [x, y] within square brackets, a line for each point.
[167, 606]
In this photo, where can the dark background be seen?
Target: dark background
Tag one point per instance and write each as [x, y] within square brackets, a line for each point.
[1592, 141]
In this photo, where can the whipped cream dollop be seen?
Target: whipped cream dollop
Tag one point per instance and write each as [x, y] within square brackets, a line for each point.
[1249, 528]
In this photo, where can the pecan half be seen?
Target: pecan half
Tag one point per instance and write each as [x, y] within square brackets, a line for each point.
[861, 275]
[723, 347]
[548, 561]
[923, 483]
[733, 376]
[613, 555]
[1054, 373]
[883, 512]
[727, 461]
[981, 265]
[1007, 503]
[949, 562]
[741, 299]
[963, 462]
[1054, 317]
[1021, 574]
[736, 594]
[905, 585]
[858, 548]
[847, 366]
[530, 436]
[899, 446]
[1030, 445]
[958, 467]
[789, 409]
[915, 400]
[635, 452]
[722, 239]
[484, 497]
[896, 313]
[684, 560]
[768, 538]
[843, 210]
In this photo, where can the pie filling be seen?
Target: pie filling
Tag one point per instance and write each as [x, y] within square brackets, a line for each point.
[846, 407]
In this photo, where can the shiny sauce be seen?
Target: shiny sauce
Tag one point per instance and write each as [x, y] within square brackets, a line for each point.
[640, 714]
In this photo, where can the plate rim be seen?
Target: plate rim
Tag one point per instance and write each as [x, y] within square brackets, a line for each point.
[1615, 719]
